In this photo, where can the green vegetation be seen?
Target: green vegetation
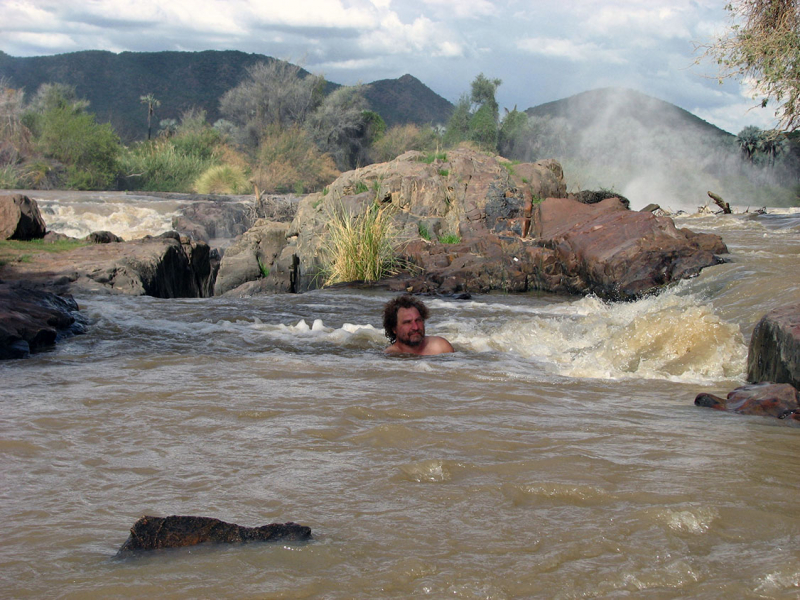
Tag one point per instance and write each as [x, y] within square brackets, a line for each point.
[423, 232]
[360, 247]
[223, 179]
[450, 238]
[431, 157]
[476, 116]
[762, 46]
[444, 172]
[361, 187]
[263, 268]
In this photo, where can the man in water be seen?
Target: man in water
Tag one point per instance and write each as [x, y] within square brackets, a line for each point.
[404, 325]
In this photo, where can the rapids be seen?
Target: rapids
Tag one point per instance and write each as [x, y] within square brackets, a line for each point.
[556, 454]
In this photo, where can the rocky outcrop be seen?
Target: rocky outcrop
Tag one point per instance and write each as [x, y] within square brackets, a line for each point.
[778, 400]
[464, 193]
[774, 353]
[33, 320]
[252, 256]
[167, 266]
[153, 533]
[20, 218]
[227, 218]
[484, 202]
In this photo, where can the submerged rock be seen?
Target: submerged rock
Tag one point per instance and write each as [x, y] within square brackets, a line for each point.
[778, 400]
[33, 320]
[152, 533]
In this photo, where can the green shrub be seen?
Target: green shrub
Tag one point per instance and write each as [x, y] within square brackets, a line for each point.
[361, 187]
[423, 232]
[288, 158]
[156, 166]
[90, 150]
[8, 178]
[223, 179]
[450, 238]
[430, 157]
[444, 172]
[360, 247]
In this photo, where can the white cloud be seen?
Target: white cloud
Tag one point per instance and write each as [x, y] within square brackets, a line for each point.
[569, 49]
[393, 36]
[464, 9]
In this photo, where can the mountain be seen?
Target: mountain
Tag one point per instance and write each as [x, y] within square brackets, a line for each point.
[113, 84]
[407, 100]
[610, 105]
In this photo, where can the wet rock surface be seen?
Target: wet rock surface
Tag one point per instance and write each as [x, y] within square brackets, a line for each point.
[33, 320]
[774, 353]
[779, 400]
[153, 533]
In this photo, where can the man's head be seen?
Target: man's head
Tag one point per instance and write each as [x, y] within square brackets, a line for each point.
[404, 320]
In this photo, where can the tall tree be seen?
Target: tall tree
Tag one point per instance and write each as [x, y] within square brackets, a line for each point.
[152, 104]
[762, 46]
[275, 92]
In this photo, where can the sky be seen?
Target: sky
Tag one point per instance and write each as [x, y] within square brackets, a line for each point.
[542, 50]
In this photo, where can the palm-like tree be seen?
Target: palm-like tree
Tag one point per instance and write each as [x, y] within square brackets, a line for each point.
[152, 105]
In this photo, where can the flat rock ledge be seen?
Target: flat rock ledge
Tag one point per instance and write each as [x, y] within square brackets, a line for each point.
[773, 370]
[154, 533]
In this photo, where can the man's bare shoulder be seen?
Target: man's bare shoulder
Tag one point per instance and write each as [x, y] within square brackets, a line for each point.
[437, 345]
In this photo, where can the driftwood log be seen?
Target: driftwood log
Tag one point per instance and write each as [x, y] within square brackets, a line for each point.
[152, 533]
[726, 208]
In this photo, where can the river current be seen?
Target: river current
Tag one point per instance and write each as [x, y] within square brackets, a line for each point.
[556, 454]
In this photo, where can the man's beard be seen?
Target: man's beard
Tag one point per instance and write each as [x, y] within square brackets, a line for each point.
[412, 342]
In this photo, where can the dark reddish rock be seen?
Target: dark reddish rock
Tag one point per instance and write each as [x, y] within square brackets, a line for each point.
[153, 533]
[33, 320]
[20, 218]
[778, 400]
[774, 353]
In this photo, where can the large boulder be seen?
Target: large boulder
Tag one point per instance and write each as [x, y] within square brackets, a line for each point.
[167, 266]
[32, 320]
[252, 256]
[464, 193]
[153, 533]
[20, 218]
[616, 253]
[774, 353]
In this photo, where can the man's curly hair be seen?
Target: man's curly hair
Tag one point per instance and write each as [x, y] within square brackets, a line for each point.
[393, 306]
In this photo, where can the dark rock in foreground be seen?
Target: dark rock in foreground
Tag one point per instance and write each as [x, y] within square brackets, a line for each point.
[33, 320]
[778, 400]
[20, 218]
[152, 533]
[774, 353]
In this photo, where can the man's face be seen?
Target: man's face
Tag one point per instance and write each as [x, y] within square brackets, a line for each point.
[410, 328]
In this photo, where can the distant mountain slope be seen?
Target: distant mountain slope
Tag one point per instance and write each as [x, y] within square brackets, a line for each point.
[586, 109]
[407, 100]
[113, 84]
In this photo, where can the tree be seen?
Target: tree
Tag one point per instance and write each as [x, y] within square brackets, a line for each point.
[275, 92]
[763, 46]
[152, 104]
[749, 141]
[339, 126]
[476, 116]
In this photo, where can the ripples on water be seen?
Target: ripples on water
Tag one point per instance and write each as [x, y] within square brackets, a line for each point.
[557, 454]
